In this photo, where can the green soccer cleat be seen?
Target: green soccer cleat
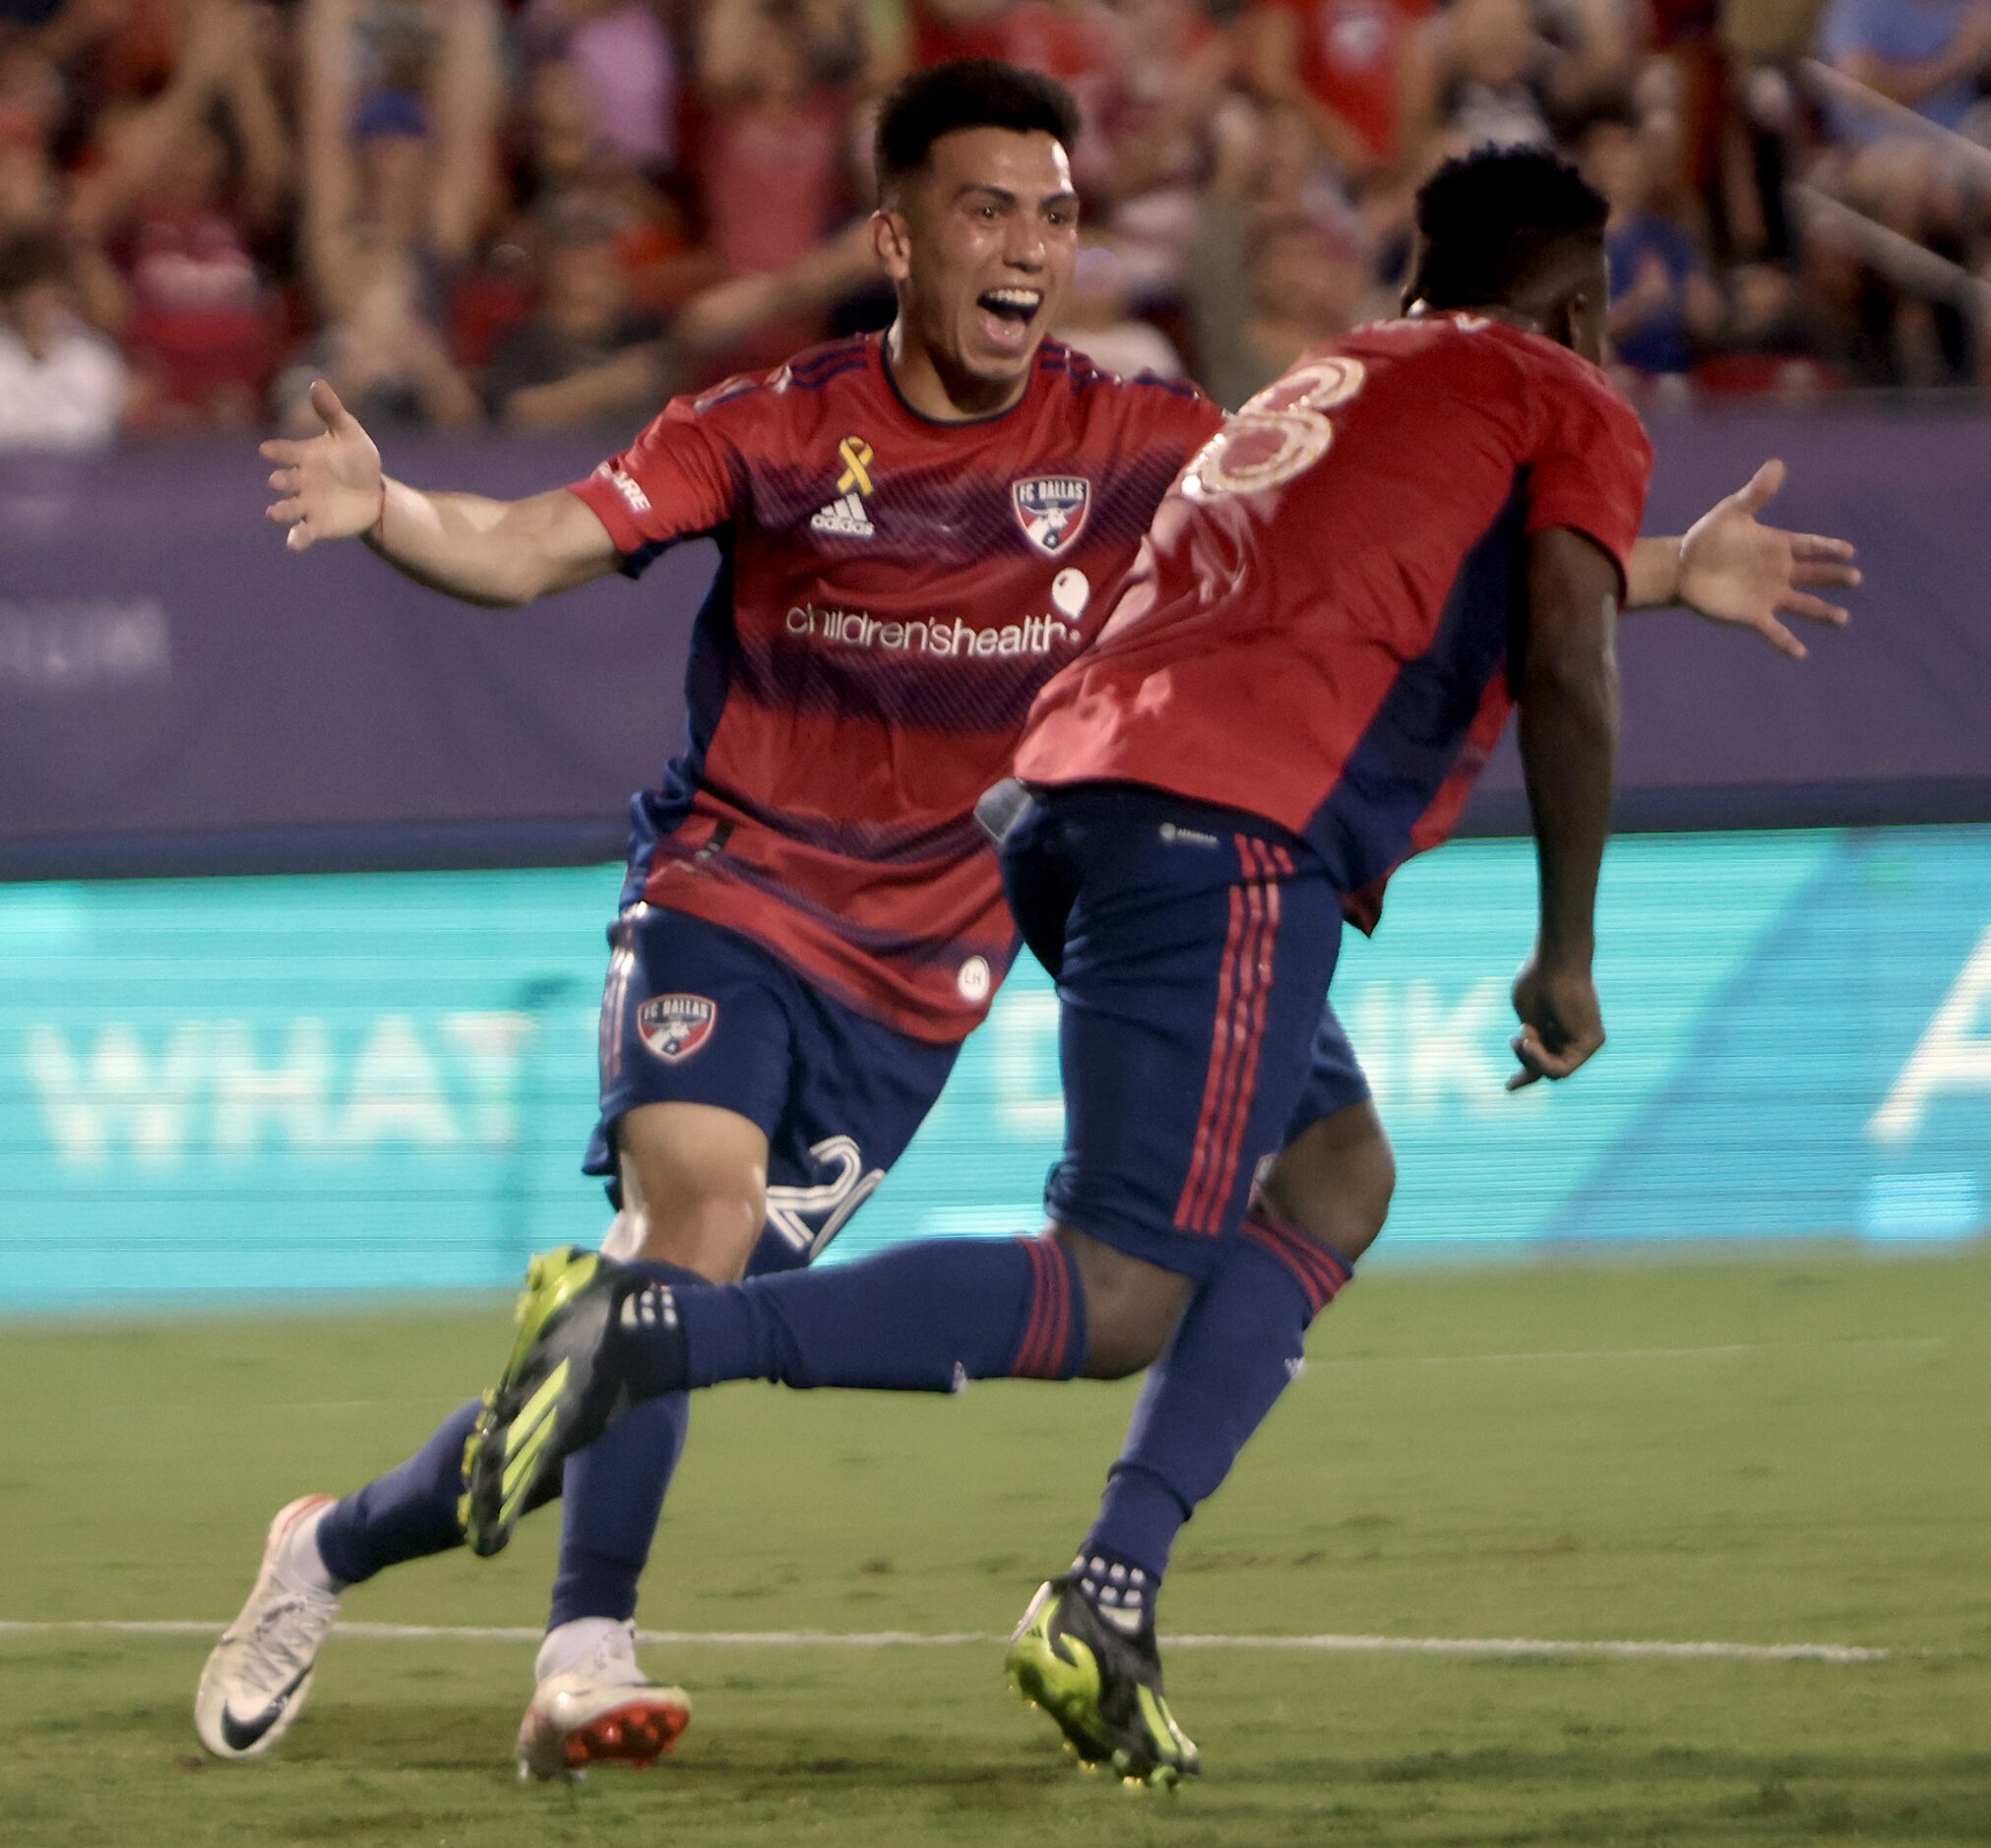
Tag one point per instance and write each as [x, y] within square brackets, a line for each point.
[557, 1394]
[1103, 1689]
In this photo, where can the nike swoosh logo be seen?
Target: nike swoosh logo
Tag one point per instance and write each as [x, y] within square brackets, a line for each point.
[240, 1735]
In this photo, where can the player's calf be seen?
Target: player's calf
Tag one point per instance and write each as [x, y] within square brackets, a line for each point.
[596, 1336]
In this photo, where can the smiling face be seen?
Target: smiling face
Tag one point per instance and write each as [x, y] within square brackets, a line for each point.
[981, 243]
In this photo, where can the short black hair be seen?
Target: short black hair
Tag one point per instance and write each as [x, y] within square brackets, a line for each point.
[969, 92]
[1494, 221]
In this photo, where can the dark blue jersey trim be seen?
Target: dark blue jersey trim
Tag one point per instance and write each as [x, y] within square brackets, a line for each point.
[1400, 761]
[707, 680]
[817, 379]
[833, 353]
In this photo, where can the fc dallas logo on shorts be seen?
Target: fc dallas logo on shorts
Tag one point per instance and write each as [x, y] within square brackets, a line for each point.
[1051, 509]
[674, 1026]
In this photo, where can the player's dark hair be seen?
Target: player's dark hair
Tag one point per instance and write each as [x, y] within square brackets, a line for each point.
[1496, 222]
[971, 92]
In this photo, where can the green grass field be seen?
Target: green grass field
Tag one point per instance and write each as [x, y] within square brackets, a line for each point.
[1793, 1450]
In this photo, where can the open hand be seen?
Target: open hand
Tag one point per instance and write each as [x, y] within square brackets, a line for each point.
[1735, 570]
[1561, 1023]
[328, 486]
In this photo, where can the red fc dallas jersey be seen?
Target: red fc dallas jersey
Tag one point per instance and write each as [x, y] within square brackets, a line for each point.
[891, 595]
[1317, 630]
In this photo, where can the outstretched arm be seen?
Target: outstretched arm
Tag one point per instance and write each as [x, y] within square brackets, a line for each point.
[1730, 568]
[497, 553]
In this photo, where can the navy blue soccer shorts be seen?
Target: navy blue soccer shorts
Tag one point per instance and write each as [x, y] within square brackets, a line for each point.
[696, 1013]
[1335, 1076]
[1193, 948]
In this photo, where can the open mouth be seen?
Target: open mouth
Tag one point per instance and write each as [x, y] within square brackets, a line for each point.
[1007, 314]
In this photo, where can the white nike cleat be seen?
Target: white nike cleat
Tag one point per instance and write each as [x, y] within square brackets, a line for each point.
[599, 1709]
[256, 1679]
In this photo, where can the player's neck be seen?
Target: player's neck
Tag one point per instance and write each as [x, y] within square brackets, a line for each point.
[1508, 317]
[941, 394]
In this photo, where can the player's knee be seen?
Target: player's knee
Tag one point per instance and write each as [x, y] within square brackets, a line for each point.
[1357, 1219]
[1334, 1180]
[694, 1188]
[1350, 1221]
[1131, 1307]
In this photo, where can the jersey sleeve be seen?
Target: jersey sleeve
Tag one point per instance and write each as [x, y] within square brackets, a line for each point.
[1592, 464]
[1191, 418]
[1168, 421]
[681, 476]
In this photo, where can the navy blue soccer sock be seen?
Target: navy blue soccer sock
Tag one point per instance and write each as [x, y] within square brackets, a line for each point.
[1237, 1346]
[612, 1496]
[406, 1515]
[923, 1318]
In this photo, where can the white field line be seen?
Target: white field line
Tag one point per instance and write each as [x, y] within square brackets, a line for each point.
[1839, 1653]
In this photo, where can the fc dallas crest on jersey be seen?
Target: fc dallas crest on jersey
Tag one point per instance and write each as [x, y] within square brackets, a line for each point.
[1051, 509]
[674, 1026]
[926, 578]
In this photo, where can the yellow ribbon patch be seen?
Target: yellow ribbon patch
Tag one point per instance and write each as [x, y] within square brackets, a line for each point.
[856, 456]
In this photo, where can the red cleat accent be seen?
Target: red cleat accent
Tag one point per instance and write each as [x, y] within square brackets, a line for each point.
[637, 1734]
[583, 1717]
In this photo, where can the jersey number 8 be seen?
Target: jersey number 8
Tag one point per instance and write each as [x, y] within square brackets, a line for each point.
[1278, 434]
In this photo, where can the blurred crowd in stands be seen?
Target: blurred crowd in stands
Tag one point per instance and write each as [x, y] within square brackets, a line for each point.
[550, 214]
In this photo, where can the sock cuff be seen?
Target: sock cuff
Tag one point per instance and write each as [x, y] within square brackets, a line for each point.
[1317, 1270]
[1053, 1344]
[1119, 1588]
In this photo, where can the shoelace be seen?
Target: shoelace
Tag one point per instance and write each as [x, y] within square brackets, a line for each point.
[614, 1658]
[287, 1635]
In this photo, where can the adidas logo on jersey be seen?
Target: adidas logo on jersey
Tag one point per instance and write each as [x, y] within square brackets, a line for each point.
[844, 517]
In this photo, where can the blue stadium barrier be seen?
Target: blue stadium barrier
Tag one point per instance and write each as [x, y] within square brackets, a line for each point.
[349, 1082]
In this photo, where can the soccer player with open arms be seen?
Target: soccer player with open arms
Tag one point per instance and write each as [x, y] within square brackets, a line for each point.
[1340, 604]
[918, 533]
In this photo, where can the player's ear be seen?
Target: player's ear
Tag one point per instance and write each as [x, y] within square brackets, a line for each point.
[1590, 310]
[1583, 324]
[892, 243]
[1413, 278]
